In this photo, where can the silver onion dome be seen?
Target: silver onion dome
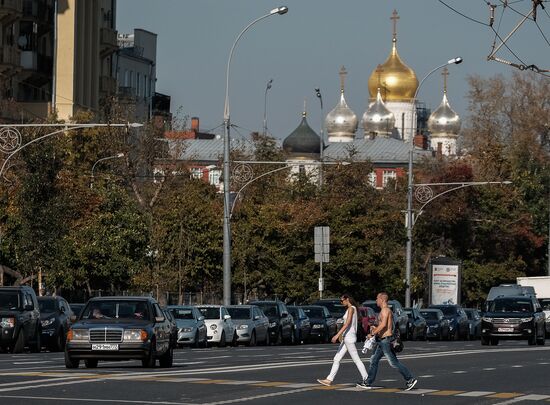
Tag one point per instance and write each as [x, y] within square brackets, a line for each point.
[341, 123]
[378, 120]
[444, 120]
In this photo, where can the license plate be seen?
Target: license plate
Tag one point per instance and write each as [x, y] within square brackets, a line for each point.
[104, 346]
[505, 329]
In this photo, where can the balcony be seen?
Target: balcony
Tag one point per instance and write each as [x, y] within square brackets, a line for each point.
[107, 84]
[9, 57]
[10, 10]
[108, 41]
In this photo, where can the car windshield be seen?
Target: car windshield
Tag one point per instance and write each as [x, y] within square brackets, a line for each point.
[430, 315]
[294, 312]
[314, 312]
[239, 313]
[182, 313]
[46, 304]
[9, 300]
[447, 311]
[511, 305]
[138, 310]
[336, 310]
[76, 308]
[545, 304]
[269, 309]
[210, 312]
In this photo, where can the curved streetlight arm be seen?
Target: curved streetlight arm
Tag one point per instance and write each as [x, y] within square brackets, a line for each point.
[118, 155]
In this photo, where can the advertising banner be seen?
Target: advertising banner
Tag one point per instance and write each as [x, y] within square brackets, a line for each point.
[445, 282]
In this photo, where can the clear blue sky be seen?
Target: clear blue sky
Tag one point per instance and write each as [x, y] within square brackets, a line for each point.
[305, 48]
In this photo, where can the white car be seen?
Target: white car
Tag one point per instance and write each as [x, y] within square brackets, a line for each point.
[220, 329]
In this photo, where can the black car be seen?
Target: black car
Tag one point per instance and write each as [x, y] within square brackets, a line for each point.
[323, 324]
[417, 328]
[438, 325]
[55, 318]
[120, 328]
[513, 317]
[281, 324]
[400, 317]
[474, 318]
[19, 319]
[173, 327]
[334, 306]
[458, 320]
[302, 324]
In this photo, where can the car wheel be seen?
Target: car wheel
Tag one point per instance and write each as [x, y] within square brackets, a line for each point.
[90, 363]
[167, 359]
[20, 342]
[252, 341]
[292, 339]
[70, 362]
[196, 343]
[494, 342]
[36, 347]
[58, 346]
[541, 341]
[267, 339]
[222, 342]
[532, 339]
[484, 341]
[150, 360]
[234, 341]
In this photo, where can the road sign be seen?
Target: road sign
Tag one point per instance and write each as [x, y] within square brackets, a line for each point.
[321, 284]
[321, 244]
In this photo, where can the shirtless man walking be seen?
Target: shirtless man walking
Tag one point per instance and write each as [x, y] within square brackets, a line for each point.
[383, 333]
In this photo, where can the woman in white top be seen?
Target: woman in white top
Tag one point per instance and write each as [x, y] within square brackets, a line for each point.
[347, 336]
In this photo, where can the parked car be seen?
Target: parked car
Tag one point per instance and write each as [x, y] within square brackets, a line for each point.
[458, 320]
[251, 323]
[513, 317]
[19, 319]
[368, 318]
[417, 327]
[323, 324]
[438, 325]
[281, 324]
[55, 319]
[474, 318]
[191, 326]
[173, 327]
[545, 304]
[220, 329]
[400, 318]
[302, 324]
[76, 307]
[334, 306]
[120, 328]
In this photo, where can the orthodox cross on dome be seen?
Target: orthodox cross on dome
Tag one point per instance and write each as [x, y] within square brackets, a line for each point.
[445, 73]
[394, 18]
[304, 113]
[343, 73]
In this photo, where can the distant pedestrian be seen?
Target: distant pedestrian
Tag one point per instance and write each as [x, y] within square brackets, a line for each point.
[347, 336]
[383, 333]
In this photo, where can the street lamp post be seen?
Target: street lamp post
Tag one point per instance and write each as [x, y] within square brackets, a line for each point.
[267, 87]
[118, 155]
[409, 222]
[226, 172]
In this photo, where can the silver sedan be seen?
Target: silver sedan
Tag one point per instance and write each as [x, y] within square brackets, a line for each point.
[191, 327]
[251, 323]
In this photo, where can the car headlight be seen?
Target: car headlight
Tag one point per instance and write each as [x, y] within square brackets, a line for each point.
[243, 327]
[272, 324]
[135, 335]
[487, 319]
[81, 335]
[523, 320]
[186, 330]
[548, 318]
[213, 326]
[317, 326]
[7, 322]
[47, 322]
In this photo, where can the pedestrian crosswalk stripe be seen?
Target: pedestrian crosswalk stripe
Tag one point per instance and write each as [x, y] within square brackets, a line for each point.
[446, 393]
[387, 390]
[476, 394]
[505, 395]
[269, 384]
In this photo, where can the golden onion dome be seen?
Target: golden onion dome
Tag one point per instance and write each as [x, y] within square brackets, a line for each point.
[378, 120]
[341, 123]
[444, 120]
[398, 81]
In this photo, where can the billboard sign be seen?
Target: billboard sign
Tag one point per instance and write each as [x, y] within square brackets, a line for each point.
[445, 281]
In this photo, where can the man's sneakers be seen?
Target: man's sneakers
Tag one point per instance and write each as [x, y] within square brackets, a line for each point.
[364, 385]
[410, 384]
[325, 382]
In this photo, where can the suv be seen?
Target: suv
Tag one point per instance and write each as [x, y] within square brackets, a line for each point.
[459, 325]
[55, 317]
[281, 324]
[513, 317]
[19, 319]
[120, 328]
[401, 319]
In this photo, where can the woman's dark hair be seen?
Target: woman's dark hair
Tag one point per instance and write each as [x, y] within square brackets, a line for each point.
[354, 303]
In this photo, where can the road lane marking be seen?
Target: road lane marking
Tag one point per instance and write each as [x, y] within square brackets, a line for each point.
[505, 395]
[476, 394]
[31, 362]
[270, 384]
[122, 401]
[274, 394]
[459, 372]
[426, 376]
[418, 391]
[489, 369]
[446, 393]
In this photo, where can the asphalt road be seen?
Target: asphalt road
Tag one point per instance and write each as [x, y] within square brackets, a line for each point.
[448, 372]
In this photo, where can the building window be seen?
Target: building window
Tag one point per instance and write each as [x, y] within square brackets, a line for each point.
[387, 175]
[196, 173]
[138, 84]
[214, 177]
[372, 179]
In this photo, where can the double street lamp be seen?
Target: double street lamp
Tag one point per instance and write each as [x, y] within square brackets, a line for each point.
[226, 172]
[409, 223]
